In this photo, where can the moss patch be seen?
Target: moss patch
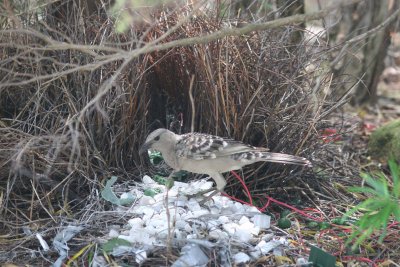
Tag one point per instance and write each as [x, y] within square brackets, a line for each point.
[385, 141]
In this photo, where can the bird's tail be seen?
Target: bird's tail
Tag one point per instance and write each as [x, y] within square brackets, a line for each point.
[285, 158]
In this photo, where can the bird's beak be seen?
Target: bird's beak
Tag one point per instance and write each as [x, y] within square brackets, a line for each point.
[145, 147]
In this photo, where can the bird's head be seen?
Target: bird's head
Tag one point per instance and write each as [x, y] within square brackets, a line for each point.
[159, 140]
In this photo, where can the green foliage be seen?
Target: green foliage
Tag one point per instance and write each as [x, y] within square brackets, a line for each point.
[109, 246]
[108, 194]
[382, 203]
[155, 157]
[318, 257]
[151, 192]
[284, 223]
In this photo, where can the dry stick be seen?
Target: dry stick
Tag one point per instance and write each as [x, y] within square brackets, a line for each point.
[130, 55]
[364, 35]
[192, 103]
[241, 31]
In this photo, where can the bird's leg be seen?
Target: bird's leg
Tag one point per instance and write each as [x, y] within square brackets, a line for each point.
[220, 185]
[209, 197]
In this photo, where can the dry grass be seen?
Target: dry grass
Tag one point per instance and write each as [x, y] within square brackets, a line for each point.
[73, 112]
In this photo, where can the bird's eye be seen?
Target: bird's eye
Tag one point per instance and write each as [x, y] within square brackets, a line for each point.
[157, 138]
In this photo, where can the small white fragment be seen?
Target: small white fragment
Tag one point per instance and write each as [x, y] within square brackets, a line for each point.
[191, 236]
[244, 219]
[159, 197]
[249, 226]
[192, 255]
[158, 224]
[140, 256]
[241, 258]
[148, 181]
[135, 222]
[188, 228]
[215, 210]
[181, 201]
[301, 261]
[147, 211]
[218, 234]
[193, 205]
[266, 247]
[42, 242]
[251, 209]
[261, 220]
[256, 254]
[242, 235]
[180, 224]
[151, 230]
[230, 228]
[199, 213]
[237, 207]
[180, 234]
[212, 224]
[267, 237]
[146, 201]
[223, 219]
[113, 233]
[127, 195]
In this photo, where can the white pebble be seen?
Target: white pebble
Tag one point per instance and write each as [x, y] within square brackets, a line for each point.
[159, 197]
[223, 219]
[241, 258]
[242, 235]
[230, 228]
[301, 261]
[218, 234]
[158, 224]
[261, 220]
[199, 213]
[215, 210]
[244, 219]
[113, 233]
[188, 228]
[180, 224]
[212, 224]
[191, 236]
[249, 226]
[146, 201]
[193, 205]
[266, 247]
[251, 209]
[147, 180]
[140, 256]
[238, 207]
[135, 222]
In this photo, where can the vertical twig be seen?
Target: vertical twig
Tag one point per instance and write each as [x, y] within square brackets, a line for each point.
[192, 103]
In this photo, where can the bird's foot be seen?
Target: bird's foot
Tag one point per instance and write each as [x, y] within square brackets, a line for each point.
[202, 194]
[209, 197]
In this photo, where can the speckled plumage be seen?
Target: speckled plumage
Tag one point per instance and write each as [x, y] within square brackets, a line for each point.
[210, 154]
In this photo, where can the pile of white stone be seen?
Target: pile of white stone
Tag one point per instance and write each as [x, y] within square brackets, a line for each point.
[239, 232]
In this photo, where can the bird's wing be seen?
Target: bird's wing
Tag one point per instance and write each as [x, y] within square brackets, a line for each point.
[204, 146]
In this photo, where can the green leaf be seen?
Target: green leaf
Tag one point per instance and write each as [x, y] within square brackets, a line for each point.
[284, 223]
[321, 258]
[324, 225]
[339, 221]
[395, 172]
[155, 157]
[107, 192]
[160, 179]
[169, 183]
[150, 192]
[109, 246]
